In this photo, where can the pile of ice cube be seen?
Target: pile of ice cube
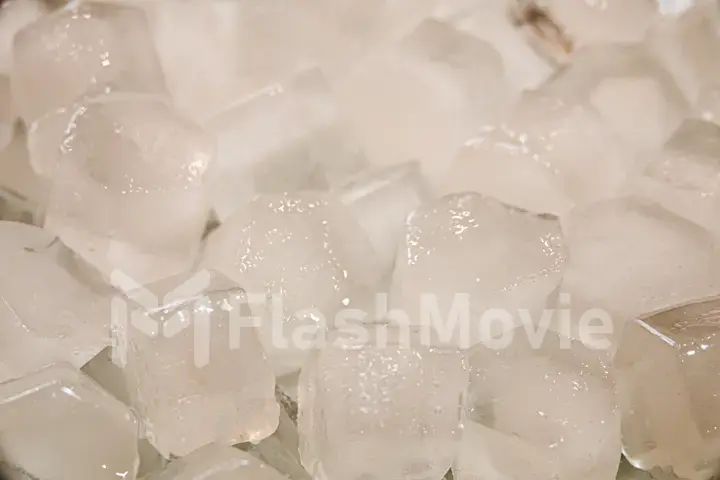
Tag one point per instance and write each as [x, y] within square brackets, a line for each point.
[359, 239]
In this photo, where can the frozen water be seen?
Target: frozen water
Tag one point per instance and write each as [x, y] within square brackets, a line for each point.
[382, 200]
[129, 188]
[286, 137]
[214, 462]
[466, 256]
[668, 388]
[635, 96]
[26, 191]
[195, 369]
[91, 49]
[15, 15]
[629, 257]
[303, 258]
[434, 88]
[380, 409]
[548, 156]
[545, 412]
[685, 177]
[47, 313]
[56, 423]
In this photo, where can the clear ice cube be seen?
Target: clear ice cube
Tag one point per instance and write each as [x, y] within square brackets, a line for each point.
[685, 177]
[303, 258]
[377, 405]
[540, 411]
[195, 370]
[465, 257]
[628, 257]
[129, 188]
[57, 423]
[637, 98]
[423, 96]
[382, 201]
[15, 15]
[215, 462]
[285, 137]
[47, 312]
[85, 50]
[667, 384]
[547, 156]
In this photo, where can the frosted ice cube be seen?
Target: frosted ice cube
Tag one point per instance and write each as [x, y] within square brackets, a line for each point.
[303, 258]
[382, 201]
[636, 97]
[56, 423]
[629, 257]
[542, 412]
[380, 408]
[685, 177]
[286, 137]
[214, 462]
[668, 388]
[434, 87]
[48, 313]
[89, 49]
[548, 156]
[129, 189]
[466, 256]
[195, 370]
[14, 15]
[686, 45]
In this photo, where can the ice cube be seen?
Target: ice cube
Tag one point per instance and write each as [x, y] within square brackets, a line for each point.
[285, 137]
[195, 370]
[686, 45]
[48, 313]
[636, 97]
[466, 256]
[15, 15]
[56, 423]
[382, 201]
[548, 156]
[667, 384]
[490, 22]
[543, 410]
[628, 257]
[213, 52]
[685, 177]
[303, 258]
[86, 50]
[215, 462]
[129, 190]
[379, 406]
[433, 88]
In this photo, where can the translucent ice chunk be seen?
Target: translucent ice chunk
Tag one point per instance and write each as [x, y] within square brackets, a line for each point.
[195, 370]
[466, 256]
[685, 177]
[89, 49]
[668, 387]
[380, 408]
[542, 412]
[283, 138]
[56, 423]
[15, 15]
[214, 462]
[628, 257]
[433, 89]
[636, 97]
[382, 201]
[129, 190]
[548, 156]
[47, 313]
[303, 258]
